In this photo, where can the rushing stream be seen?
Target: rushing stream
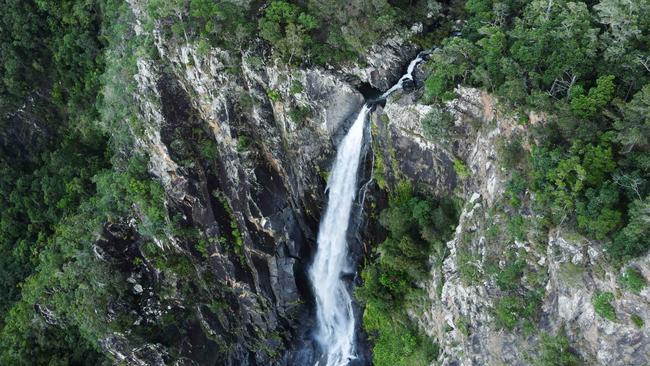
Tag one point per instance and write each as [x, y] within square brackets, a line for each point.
[335, 317]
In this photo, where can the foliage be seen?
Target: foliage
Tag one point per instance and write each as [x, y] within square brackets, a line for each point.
[637, 321]
[299, 113]
[462, 171]
[577, 181]
[61, 193]
[288, 29]
[225, 24]
[632, 279]
[417, 228]
[556, 351]
[508, 278]
[452, 65]
[396, 342]
[242, 143]
[296, 87]
[634, 125]
[437, 126]
[586, 106]
[634, 239]
[515, 189]
[273, 95]
[584, 66]
[512, 310]
[511, 153]
[468, 263]
[602, 302]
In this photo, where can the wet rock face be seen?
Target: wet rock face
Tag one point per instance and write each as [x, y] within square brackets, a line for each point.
[384, 63]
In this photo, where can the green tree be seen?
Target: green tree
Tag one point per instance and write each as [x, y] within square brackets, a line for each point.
[554, 38]
[586, 106]
[634, 125]
[453, 64]
[287, 28]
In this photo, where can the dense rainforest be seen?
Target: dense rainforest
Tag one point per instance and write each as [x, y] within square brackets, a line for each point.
[70, 172]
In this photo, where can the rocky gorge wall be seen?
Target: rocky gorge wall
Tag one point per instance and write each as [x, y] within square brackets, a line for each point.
[242, 146]
[461, 315]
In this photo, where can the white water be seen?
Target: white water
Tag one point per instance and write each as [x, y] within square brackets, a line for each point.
[335, 317]
[408, 76]
[335, 331]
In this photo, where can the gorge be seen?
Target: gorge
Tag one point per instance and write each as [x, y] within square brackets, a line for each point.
[335, 316]
[282, 183]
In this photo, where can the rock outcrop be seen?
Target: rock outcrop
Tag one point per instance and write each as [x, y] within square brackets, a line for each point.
[461, 315]
[242, 146]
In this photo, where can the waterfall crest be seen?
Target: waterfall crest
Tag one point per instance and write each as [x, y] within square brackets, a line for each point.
[335, 330]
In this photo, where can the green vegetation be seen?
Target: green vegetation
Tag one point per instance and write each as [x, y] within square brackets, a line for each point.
[296, 87]
[637, 321]
[417, 230]
[59, 192]
[274, 95]
[632, 279]
[322, 32]
[462, 171]
[299, 113]
[556, 351]
[242, 143]
[437, 126]
[68, 75]
[602, 302]
[225, 24]
[513, 310]
[576, 61]
[468, 262]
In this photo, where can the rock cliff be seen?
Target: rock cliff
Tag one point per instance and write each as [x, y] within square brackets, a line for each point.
[242, 144]
[570, 269]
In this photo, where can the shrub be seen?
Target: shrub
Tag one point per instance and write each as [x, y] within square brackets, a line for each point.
[468, 266]
[511, 310]
[274, 95]
[632, 279]
[508, 279]
[517, 227]
[511, 153]
[242, 143]
[507, 311]
[461, 169]
[296, 87]
[416, 226]
[437, 126]
[299, 113]
[515, 188]
[397, 343]
[602, 302]
[637, 321]
[634, 239]
[202, 248]
[208, 149]
[555, 351]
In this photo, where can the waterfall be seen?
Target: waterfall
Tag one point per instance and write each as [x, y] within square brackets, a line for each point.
[335, 330]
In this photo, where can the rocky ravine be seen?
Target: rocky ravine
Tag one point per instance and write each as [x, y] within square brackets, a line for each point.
[461, 316]
[243, 154]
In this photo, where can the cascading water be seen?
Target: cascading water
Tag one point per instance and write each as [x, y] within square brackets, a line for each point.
[335, 317]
